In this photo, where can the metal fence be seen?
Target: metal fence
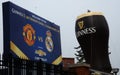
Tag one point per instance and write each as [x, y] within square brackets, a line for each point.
[15, 66]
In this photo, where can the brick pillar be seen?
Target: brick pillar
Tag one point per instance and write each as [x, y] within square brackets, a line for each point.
[79, 69]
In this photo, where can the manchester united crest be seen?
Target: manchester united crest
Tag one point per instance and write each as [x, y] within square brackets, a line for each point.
[29, 34]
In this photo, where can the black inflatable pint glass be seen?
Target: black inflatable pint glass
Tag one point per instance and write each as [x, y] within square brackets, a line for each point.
[92, 33]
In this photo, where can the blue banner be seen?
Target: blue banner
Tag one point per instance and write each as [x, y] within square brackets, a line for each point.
[31, 37]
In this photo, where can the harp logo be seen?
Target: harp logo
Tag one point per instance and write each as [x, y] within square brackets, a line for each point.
[81, 24]
[29, 34]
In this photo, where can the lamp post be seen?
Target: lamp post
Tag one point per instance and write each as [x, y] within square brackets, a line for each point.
[115, 71]
[0, 56]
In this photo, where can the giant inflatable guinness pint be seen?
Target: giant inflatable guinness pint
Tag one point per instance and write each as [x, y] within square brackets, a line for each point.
[92, 33]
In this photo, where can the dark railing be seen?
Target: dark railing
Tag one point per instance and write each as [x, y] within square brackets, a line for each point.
[15, 66]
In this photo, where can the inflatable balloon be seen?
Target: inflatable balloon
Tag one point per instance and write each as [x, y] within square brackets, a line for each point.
[92, 33]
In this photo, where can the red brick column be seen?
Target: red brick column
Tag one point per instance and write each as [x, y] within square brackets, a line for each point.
[79, 69]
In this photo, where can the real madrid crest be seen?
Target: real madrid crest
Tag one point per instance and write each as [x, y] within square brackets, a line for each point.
[29, 34]
[49, 42]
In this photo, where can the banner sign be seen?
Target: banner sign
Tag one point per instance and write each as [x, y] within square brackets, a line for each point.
[28, 36]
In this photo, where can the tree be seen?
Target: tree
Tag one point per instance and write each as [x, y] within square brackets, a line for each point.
[79, 55]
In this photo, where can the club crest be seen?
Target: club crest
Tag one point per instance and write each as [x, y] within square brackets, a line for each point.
[29, 34]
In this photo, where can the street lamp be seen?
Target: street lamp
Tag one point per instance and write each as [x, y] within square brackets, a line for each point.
[115, 70]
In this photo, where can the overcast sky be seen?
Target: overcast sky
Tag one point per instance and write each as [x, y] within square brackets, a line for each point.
[64, 13]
